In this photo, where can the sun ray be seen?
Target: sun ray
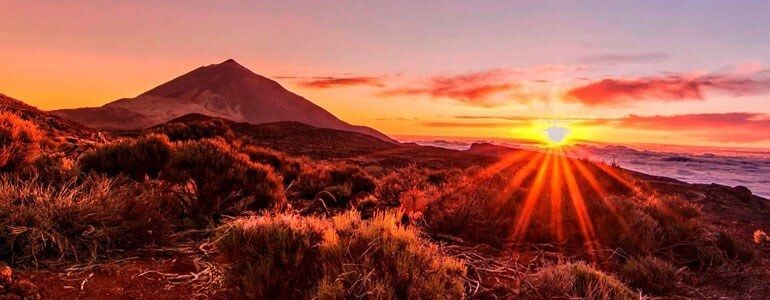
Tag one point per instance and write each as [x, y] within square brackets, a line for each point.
[521, 175]
[578, 203]
[556, 198]
[523, 220]
[600, 191]
[505, 162]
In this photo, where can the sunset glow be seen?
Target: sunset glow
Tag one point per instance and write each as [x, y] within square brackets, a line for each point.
[479, 77]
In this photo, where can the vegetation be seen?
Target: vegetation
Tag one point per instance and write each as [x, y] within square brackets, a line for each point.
[575, 280]
[79, 220]
[287, 256]
[384, 230]
[221, 181]
[136, 158]
[339, 183]
[650, 274]
[19, 141]
[288, 167]
[195, 130]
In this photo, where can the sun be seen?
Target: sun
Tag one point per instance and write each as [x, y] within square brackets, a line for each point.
[556, 135]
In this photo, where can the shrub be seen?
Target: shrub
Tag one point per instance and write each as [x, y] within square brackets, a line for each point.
[195, 130]
[19, 141]
[77, 221]
[51, 168]
[287, 256]
[650, 274]
[223, 181]
[575, 280]
[136, 158]
[393, 185]
[317, 178]
[288, 167]
[732, 248]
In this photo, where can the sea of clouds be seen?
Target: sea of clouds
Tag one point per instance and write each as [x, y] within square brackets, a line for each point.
[731, 168]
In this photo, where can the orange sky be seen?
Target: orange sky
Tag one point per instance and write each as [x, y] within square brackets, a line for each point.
[622, 73]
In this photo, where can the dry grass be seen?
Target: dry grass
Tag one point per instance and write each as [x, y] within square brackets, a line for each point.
[287, 256]
[136, 158]
[19, 141]
[288, 167]
[195, 130]
[79, 220]
[335, 184]
[221, 181]
[650, 274]
[574, 280]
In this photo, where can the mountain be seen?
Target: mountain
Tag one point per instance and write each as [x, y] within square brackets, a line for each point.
[227, 90]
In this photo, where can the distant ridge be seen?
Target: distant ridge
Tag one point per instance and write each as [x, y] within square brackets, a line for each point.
[226, 90]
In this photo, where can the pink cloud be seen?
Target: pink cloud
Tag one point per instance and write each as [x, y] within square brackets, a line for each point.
[613, 91]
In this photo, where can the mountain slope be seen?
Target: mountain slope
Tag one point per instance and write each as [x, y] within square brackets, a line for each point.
[226, 90]
[53, 126]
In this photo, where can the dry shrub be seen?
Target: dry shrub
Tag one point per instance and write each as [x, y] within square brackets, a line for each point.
[734, 249]
[287, 256]
[77, 221]
[344, 182]
[221, 180]
[574, 280]
[53, 168]
[288, 167]
[136, 158]
[195, 130]
[471, 211]
[650, 274]
[409, 179]
[19, 141]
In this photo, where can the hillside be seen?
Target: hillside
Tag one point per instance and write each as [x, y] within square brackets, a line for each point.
[226, 90]
[53, 125]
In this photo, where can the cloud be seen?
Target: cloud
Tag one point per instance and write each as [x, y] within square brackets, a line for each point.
[738, 127]
[475, 88]
[467, 124]
[617, 58]
[336, 82]
[613, 91]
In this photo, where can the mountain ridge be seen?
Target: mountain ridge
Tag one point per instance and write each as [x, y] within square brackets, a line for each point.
[226, 90]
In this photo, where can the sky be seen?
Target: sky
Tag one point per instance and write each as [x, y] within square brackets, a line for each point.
[685, 72]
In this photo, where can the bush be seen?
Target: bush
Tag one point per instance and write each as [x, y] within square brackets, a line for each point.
[575, 280]
[317, 178]
[650, 274]
[287, 256]
[469, 210]
[51, 168]
[19, 141]
[77, 221]
[136, 158]
[734, 249]
[288, 167]
[195, 130]
[223, 181]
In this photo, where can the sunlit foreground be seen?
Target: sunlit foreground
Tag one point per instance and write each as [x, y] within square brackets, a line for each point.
[556, 191]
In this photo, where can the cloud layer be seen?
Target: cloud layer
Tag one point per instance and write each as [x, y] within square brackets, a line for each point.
[336, 82]
[614, 91]
[476, 88]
